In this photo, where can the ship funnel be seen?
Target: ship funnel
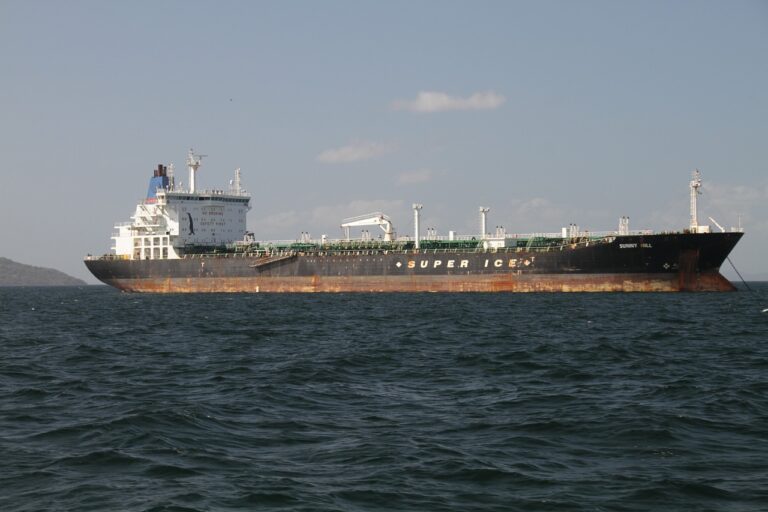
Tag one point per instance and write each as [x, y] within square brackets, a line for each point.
[158, 181]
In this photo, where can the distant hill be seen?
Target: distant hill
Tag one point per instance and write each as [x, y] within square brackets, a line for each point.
[18, 274]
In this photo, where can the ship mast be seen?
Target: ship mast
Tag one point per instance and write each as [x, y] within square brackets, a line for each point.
[238, 186]
[695, 186]
[193, 162]
[171, 178]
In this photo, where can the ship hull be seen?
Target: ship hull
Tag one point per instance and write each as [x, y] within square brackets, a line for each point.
[649, 263]
[504, 283]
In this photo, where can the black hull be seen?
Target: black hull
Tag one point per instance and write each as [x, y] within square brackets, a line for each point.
[663, 262]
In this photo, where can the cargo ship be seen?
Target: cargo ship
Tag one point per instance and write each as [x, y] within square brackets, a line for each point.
[189, 240]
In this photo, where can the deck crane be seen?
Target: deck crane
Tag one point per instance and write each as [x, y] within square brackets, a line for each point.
[721, 228]
[370, 219]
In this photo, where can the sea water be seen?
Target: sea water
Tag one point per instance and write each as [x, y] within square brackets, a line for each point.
[116, 401]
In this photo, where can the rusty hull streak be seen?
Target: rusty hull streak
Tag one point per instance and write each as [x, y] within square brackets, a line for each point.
[482, 283]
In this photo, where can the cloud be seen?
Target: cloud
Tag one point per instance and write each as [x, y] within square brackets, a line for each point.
[517, 216]
[725, 203]
[729, 202]
[278, 222]
[322, 219]
[536, 213]
[414, 177]
[332, 215]
[354, 152]
[433, 101]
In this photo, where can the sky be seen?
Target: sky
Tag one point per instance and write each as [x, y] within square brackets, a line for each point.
[547, 112]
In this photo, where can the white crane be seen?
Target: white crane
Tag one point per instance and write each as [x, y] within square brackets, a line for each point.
[370, 219]
[722, 229]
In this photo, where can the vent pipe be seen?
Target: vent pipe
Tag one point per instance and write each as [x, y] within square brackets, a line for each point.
[483, 212]
[624, 226]
[416, 209]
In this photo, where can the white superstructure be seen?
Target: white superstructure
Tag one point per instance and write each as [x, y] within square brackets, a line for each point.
[170, 219]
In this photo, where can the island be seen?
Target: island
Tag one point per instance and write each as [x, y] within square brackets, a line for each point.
[13, 273]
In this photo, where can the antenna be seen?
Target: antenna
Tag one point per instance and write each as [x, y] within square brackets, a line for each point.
[695, 186]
